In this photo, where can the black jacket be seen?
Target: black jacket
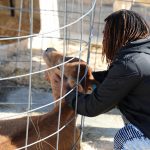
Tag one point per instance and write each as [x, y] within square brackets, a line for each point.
[126, 85]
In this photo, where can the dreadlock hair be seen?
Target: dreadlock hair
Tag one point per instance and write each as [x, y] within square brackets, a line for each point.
[121, 27]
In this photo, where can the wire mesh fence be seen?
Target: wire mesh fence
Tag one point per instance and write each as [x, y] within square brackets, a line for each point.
[27, 28]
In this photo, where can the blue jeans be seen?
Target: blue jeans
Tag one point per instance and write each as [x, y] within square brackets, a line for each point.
[131, 138]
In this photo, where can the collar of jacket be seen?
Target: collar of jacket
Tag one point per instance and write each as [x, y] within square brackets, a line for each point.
[140, 46]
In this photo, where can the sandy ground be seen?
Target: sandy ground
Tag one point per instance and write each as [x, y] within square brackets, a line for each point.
[98, 132]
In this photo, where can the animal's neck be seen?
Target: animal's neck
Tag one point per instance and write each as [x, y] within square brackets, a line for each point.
[66, 113]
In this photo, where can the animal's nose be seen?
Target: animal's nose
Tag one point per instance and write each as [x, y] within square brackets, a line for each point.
[50, 49]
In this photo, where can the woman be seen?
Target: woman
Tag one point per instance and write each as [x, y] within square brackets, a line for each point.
[126, 84]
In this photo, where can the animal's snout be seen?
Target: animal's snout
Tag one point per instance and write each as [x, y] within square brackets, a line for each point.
[50, 49]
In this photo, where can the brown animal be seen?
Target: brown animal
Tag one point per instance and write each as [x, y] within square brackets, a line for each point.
[53, 58]
[13, 132]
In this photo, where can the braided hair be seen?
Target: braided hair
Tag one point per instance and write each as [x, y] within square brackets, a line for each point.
[122, 27]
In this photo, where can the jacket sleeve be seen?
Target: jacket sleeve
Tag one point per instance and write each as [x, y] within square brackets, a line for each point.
[120, 80]
[100, 75]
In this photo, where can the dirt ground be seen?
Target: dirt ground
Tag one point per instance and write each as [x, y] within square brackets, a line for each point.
[98, 132]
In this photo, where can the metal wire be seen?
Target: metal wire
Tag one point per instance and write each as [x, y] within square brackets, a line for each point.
[36, 72]
[62, 75]
[19, 28]
[30, 76]
[66, 39]
[60, 129]
[77, 80]
[38, 108]
[29, 110]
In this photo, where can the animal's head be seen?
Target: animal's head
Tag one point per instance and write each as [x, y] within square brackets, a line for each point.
[79, 69]
[86, 80]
